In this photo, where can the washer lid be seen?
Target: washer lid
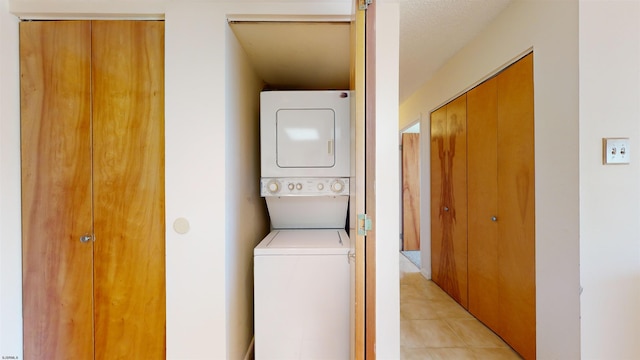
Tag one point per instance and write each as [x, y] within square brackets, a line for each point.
[304, 241]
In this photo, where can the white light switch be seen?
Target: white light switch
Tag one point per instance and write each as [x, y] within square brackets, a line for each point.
[616, 151]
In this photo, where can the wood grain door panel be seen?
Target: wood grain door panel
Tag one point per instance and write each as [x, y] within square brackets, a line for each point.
[358, 192]
[449, 199]
[92, 143]
[411, 191]
[457, 130]
[56, 190]
[516, 200]
[370, 179]
[482, 146]
[439, 147]
[499, 227]
[128, 133]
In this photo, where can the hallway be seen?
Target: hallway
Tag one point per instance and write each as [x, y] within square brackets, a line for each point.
[434, 326]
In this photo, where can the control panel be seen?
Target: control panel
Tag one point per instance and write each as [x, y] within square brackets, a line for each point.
[304, 186]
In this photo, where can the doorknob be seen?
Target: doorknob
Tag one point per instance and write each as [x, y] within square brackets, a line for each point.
[494, 218]
[85, 238]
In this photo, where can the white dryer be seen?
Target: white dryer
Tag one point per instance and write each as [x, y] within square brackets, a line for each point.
[305, 133]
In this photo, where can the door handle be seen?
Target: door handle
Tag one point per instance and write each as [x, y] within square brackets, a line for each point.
[85, 238]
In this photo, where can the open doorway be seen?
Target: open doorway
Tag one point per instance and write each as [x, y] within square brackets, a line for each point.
[410, 193]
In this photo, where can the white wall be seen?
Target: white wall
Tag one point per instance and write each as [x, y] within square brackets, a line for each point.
[387, 181]
[609, 195]
[205, 272]
[195, 181]
[10, 223]
[247, 214]
[551, 29]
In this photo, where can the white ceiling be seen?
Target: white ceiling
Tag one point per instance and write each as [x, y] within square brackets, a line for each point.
[297, 55]
[315, 55]
[432, 31]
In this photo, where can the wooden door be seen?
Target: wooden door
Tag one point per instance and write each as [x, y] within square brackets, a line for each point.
[128, 135]
[449, 199]
[56, 189]
[482, 170]
[370, 179]
[501, 205]
[410, 191]
[84, 176]
[358, 167]
[516, 218]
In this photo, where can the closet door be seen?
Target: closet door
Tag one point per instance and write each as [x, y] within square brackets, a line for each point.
[482, 146]
[128, 136]
[516, 199]
[56, 190]
[501, 205]
[410, 191]
[449, 199]
[93, 165]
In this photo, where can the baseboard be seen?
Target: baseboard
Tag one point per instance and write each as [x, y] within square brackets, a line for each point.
[426, 272]
[250, 355]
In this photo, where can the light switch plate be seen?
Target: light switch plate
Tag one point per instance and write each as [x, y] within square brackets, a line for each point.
[615, 151]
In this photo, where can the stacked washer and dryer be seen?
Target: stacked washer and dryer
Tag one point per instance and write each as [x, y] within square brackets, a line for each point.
[301, 268]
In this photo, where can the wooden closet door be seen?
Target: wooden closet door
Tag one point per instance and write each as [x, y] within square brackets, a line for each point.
[411, 191]
[128, 135]
[516, 186]
[482, 147]
[56, 190]
[439, 148]
[449, 199]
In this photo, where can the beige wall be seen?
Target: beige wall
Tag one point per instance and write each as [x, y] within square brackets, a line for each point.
[245, 208]
[10, 223]
[609, 195]
[550, 28]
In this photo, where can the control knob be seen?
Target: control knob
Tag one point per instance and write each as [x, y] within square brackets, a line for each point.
[337, 186]
[273, 186]
[290, 186]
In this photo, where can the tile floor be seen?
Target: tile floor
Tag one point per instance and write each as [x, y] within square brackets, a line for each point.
[434, 326]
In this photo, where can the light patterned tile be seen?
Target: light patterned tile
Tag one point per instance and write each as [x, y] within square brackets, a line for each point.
[475, 334]
[411, 293]
[418, 310]
[414, 354]
[449, 309]
[413, 278]
[496, 353]
[436, 333]
[434, 292]
[409, 335]
[434, 326]
[452, 354]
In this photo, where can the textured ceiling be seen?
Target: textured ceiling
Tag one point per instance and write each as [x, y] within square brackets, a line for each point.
[299, 55]
[431, 31]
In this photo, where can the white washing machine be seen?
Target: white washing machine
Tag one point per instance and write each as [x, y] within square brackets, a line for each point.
[302, 295]
[302, 274]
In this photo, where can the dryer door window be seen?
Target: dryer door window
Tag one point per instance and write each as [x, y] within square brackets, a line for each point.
[305, 138]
